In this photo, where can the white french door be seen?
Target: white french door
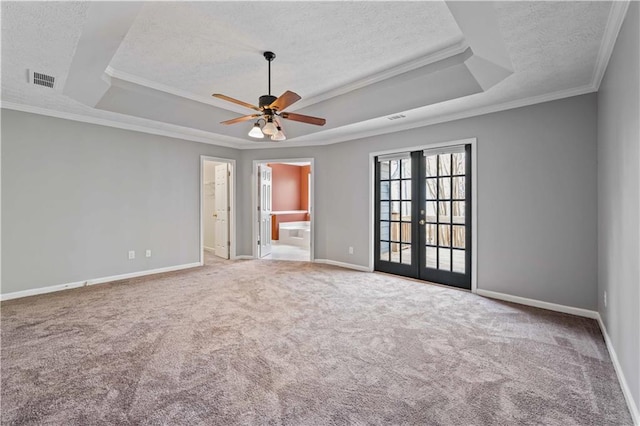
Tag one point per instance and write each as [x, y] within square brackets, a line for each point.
[221, 191]
[264, 195]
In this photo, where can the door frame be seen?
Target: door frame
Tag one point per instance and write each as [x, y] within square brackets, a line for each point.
[474, 198]
[232, 204]
[255, 217]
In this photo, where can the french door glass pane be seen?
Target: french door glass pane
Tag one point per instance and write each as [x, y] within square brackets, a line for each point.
[431, 189]
[458, 187]
[444, 259]
[395, 252]
[384, 190]
[458, 236]
[458, 211]
[431, 211]
[406, 190]
[444, 215]
[432, 256]
[395, 189]
[384, 211]
[458, 163]
[384, 250]
[444, 235]
[394, 169]
[444, 164]
[432, 165]
[384, 170]
[406, 168]
[406, 210]
[384, 230]
[395, 209]
[395, 231]
[444, 188]
[406, 254]
[406, 232]
[431, 233]
[458, 261]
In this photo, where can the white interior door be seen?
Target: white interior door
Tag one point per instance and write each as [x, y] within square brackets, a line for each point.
[222, 211]
[265, 209]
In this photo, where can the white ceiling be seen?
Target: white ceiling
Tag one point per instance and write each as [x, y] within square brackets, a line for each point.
[205, 48]
[167, 58]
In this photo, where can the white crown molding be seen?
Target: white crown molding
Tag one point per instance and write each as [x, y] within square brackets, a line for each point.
[447, 52]
[611, 30]
[320, 138]
[483, 110]
[219, 140]
[489, 109]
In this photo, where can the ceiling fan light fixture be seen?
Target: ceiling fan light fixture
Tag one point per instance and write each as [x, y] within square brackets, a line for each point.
[269, 128]
[279, 136]
[256, 132]
[270, 108]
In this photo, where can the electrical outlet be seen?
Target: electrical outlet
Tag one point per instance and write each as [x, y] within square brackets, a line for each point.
[350, 250]
[132, 254]
[605, 298]
[148, 253]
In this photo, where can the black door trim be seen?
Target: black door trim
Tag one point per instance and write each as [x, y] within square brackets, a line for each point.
[417, 268]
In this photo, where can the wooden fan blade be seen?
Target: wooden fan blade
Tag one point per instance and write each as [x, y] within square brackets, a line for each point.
[286, 99]
[235, 101]
[241, 119]
[303, 118]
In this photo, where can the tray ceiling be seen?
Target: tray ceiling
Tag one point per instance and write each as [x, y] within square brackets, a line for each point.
[154, 65]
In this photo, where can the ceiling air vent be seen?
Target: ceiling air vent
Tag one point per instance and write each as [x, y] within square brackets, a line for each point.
[41, 79]
[396, 117]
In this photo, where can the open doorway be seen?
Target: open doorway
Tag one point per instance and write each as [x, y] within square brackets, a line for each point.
[283, 216]
[217, 199]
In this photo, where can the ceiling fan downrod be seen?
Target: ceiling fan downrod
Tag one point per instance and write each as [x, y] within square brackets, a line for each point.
[266, 100]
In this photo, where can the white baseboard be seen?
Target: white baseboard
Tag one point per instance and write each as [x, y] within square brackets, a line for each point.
[538, 303]
[343, 265]
[209, 249]
[633, 409]
[67, 286]
[242, 257]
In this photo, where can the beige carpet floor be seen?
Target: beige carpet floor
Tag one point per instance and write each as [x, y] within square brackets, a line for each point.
[274, 342]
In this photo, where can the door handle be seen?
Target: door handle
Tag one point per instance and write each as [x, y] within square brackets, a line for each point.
[421, 222]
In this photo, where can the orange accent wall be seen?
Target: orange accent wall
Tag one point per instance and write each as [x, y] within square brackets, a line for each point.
[305, 171]
[285, 187]
[289, 191]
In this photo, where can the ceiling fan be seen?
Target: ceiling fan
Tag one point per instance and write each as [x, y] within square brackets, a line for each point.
[270, 109]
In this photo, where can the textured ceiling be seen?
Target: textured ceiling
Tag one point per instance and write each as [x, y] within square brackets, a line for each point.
[205, 48]
[41, 37]
[201, 48]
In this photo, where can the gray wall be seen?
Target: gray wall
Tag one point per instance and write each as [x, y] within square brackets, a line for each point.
[536, 204]
[77, 197]
[619, 199]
